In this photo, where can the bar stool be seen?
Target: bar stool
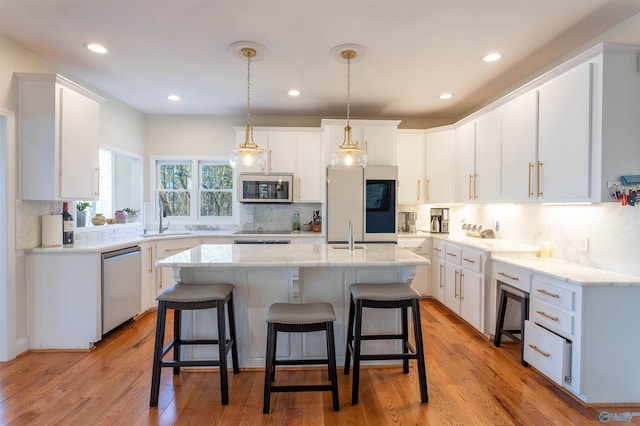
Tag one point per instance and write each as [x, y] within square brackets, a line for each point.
[182, 296]
[507, 292]
[300, 318]
[385, 296]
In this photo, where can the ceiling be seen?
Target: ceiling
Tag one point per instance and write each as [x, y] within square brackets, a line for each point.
[415, 50]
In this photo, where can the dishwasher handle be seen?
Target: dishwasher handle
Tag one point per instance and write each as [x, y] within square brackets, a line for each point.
[120, 252]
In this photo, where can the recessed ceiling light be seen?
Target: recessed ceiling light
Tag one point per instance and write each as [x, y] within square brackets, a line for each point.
[96, 48]
[294, 92]
[446, 96]
[174, 98]
[491, 57]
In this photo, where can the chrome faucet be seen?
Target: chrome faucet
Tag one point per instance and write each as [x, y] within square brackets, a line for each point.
[162, 214]
[350, 236]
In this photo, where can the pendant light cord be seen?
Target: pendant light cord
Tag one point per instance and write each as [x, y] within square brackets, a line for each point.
[249, 54]
[348, 88]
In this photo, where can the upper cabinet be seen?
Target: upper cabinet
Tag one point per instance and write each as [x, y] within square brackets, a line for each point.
[376, 137]
[439, 166]
[59, 134]
[465, 159]
[294, 150]
[411, 167]
[487, 161]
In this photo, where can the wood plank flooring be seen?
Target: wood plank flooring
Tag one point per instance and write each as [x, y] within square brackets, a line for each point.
[470, 383]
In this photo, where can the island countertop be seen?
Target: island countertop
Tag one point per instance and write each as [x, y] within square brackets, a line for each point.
[292, 256]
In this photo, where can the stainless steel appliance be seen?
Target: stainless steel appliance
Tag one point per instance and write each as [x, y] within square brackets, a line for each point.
[439, 223]
[121, 275]
[366, 197]
[265, 188]
[412, 217]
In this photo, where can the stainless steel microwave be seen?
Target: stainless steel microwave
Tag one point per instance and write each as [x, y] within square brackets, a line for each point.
[265, 188]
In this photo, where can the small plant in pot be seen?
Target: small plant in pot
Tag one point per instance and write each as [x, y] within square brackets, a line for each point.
[82, 207]
[132, 214]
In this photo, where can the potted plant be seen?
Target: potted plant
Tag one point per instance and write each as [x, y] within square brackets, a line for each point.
[132, 214]
[82, 207]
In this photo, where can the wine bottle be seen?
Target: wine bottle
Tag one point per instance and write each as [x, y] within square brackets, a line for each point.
[67, 225]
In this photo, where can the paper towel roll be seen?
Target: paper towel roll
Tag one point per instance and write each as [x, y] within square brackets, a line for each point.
[52, 230]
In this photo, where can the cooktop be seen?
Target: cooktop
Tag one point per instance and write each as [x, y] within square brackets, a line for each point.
[259, 232]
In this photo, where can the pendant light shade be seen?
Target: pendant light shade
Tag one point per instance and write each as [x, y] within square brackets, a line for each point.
[349, 153]
[248, 154]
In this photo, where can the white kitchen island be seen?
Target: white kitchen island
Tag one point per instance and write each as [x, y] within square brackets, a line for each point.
[295, 273]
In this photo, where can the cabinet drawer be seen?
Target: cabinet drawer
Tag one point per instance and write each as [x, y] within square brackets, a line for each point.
[550, 317]
[547, 352]
[553, 294]
[453, 254]
[471, 260]
[439, 248]
[513, 276]
[171, 247]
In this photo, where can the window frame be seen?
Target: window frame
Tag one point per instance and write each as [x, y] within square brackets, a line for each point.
[195, 218]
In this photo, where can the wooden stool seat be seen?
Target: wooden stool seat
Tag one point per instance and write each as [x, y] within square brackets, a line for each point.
[508, 292]
[385, 296]
[300, 318]
[182, 296]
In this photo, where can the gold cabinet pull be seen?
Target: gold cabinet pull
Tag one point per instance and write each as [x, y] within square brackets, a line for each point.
[97, 194]
[546, 315]
[436, 249]
[178, 249]
[540, 178]
[530, 182]
[461, 285]
[508, 276]
[540, 351]
[475, 186]
[546, 293]
[299, 185]
[270, 168]
[470, 186]
[441, 275]
[452, 254]
[468, 260]
[366, 147]
[150, 259]
[428, 195]
[455, 284]
[418, 189]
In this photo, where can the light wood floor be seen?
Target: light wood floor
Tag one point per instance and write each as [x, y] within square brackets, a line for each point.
[470, 382]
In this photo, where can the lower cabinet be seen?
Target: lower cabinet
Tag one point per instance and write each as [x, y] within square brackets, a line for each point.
[169, 247]
[421, 246]
[464, 284]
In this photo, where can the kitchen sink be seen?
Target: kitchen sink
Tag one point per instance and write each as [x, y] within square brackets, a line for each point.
[346, 246]
[164, 234]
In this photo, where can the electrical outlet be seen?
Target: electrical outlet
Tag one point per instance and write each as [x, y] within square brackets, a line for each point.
[583, 244]
[248, 218]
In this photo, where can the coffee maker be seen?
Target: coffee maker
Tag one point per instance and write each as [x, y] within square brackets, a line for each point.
[439, 221]
[407, 221]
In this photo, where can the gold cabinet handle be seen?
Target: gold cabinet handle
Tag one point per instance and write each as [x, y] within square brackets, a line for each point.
[546, 315]
[546, 293]
[470, 186]
[150, 259]
[270, 168]
[418, 189]
[452, 254]
[97, 194]
[441, 275]
[530, 183]
[537, 349]
[468, 260]
[508, 276]
[178, 249]
[366, 147]
[540, 178]
[436, 249]
[461, 285]
[428, 195]
[299, 185]
[455, 284]
[475, 186]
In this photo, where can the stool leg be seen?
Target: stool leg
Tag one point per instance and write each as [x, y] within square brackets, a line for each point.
[524, 315]
[347, 357]
[356, 353]
[222, 352]
[333, 375]
[177, 338]
[417, 330]
[500, 323]
[232, 335]
[405, 339]
[270, 357]
[157, 354]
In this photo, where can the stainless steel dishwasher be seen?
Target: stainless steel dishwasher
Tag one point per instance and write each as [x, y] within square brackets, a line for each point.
[121, 277]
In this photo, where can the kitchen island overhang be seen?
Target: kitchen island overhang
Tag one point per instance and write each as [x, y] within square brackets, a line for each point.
[294, 273]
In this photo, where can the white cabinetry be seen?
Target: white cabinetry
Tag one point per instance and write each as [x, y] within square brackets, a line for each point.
[465, 155]
[421, 246]
[147, 277]
[168, 247]
[59, 132]
[439, 166]
[438, 269]
[411, 167]
[464, 284]
[376, 137]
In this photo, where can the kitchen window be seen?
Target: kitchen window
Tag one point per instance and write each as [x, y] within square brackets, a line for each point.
[195, 190]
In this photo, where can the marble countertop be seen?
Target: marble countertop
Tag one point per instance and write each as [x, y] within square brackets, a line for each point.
[293, 255]
[573, 273]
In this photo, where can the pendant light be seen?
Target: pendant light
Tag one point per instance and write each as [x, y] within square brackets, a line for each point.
[248, 154]
[348, 154]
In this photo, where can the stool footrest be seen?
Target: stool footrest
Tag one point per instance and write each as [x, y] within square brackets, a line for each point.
[301, 388]
[381, 337]
[300, 361]
[191, 363]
